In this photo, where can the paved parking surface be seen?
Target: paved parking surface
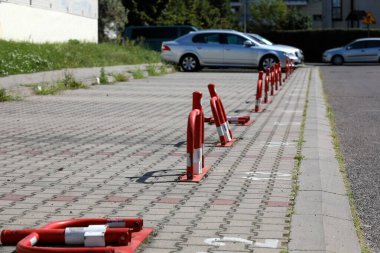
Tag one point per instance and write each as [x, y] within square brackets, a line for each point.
[118, 150]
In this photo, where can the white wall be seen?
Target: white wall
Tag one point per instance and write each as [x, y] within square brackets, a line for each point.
[21, 22]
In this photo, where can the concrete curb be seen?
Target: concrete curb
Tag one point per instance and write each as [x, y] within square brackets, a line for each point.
[322, 221]
[86, 75]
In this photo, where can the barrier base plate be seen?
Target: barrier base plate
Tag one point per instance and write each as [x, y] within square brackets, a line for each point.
[196, 178]
[260, 110]
[249, 123]
[228, 144]
[137, 239]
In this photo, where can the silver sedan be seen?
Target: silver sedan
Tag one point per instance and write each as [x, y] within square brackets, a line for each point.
[219, 48]
[360, 50]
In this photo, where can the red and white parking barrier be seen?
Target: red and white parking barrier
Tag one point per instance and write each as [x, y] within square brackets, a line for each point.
[95, 235]
[241, 120]
[221, 123]
[266, 88]
[195, 169]
[279, 74]
[275, 70]
[259, 92]
[272, 81]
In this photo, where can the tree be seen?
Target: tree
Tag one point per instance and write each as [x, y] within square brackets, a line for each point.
[199, 13]
[144, 12]
[112, 19]
[296, 20]
[267, 15]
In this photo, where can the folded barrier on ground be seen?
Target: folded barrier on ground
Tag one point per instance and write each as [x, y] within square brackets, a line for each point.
[85, 235]
[242, 120]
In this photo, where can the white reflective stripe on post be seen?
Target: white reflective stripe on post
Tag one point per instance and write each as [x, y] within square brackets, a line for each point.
[74, 236]
[33, 241]
[197, 161]
[220, 130]
[116, 224]
[225, 127]
[188, 160]
[258, 101]
[94, 236]
[233, 118]
[77, 235]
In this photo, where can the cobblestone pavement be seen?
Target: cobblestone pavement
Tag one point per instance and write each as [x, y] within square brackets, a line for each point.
[118, 150]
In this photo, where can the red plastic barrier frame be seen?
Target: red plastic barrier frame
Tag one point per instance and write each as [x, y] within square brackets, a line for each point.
[221, 124]
[279, 74]
[266, 89]
[259, 92]
[133, 225]
[242, 120]
[195, 169]
[272, 81]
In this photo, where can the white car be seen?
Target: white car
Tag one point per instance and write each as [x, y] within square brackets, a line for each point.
[219, 48]
[294, 53]
[360, 50]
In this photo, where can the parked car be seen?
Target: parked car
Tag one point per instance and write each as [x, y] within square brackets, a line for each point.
[360, 50]
[219, 48]
[295, 54]
[153, 36]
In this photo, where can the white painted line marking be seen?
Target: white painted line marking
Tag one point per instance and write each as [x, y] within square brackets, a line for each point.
[268, 243]
[257, 176]
[287, 123]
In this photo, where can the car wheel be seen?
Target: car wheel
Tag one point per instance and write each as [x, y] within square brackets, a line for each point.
[267, 62]
[337, 60]
[189, 63]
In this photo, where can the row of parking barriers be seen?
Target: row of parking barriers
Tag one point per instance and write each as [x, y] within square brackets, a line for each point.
[196, 169]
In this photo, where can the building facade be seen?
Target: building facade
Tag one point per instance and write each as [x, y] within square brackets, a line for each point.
[49, 20]
[325, 14]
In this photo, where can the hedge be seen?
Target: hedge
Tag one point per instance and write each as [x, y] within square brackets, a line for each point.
[314, 42]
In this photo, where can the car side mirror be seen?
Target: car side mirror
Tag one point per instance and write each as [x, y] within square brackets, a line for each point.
[248, 43]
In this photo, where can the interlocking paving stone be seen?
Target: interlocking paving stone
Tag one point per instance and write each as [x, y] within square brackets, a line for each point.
[118, 150]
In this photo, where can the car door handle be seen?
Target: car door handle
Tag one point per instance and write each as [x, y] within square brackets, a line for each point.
[199, 47]
[228, 49]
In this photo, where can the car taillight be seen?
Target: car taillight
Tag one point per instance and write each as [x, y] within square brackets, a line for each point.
[165, 48]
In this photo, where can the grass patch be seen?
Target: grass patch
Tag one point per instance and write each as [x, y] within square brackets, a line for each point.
[25, 57]
[103, 77]
[120, 77]
[152, 70]
[342, 168]
[68, 83]
[5, 96]
[138, 74]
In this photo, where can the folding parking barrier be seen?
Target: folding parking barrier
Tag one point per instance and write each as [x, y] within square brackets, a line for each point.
[242, 120]
[195, 170]
[279, 74]
[287, 69]
[95, 235]
[272, 81]
[275, 70]
[259, 92]
[266, 88]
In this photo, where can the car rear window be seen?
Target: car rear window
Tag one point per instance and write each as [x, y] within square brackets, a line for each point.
[209, 38]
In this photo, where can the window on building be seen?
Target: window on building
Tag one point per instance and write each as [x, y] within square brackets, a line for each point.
[337, 9]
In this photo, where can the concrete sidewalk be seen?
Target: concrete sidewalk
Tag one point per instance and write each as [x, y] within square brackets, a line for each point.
[118, 150]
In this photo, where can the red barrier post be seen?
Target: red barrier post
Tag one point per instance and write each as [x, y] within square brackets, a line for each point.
[259, 92]
[266, 89]
[280, 74]
[195, 169]
[272, 81]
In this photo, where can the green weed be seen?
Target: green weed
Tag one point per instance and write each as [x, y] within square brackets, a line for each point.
[138, 74]
[103, 77]
[120, 77]
[5, 96]
[152, 70]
